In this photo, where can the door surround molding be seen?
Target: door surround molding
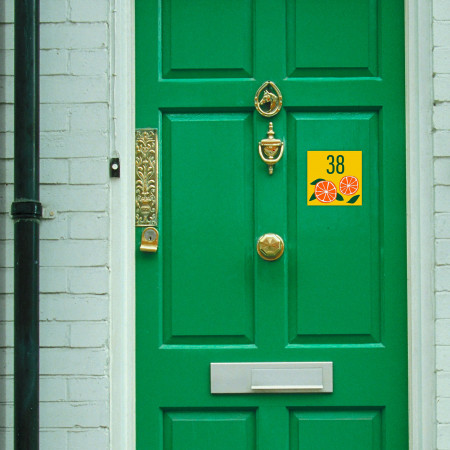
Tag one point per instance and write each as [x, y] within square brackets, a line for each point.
[420, 227]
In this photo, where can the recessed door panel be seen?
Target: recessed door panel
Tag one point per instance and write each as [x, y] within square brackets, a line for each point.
[207, 195]
[326, 38]
[199, 41]
[334, 278]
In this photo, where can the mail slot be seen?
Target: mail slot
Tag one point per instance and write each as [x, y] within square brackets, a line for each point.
[272, 378]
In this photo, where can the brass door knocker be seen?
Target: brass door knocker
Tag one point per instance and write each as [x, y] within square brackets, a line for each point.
[271, 100]
[271, 149]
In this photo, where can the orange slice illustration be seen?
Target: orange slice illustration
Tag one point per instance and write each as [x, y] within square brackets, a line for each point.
[325, 191]
[349, 185]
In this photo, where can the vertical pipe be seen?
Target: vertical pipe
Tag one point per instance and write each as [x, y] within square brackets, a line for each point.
[26, 211]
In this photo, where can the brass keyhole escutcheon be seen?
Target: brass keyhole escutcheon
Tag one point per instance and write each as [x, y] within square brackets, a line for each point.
[270, 246]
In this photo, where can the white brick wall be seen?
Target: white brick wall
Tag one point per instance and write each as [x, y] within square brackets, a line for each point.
[74, 305]
[441, 68]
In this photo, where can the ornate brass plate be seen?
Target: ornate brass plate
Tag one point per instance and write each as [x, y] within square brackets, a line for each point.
[146, 177]
[268, 99]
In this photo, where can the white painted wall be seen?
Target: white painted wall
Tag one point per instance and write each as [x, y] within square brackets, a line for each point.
[77, 139]
[75, 146]
[441, 126]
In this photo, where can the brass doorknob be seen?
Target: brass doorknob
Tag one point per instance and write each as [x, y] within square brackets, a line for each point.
[270, 246]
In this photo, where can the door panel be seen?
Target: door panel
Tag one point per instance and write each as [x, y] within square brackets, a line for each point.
[208, 296]
[339, 291]
[337, 270]
[326, 38]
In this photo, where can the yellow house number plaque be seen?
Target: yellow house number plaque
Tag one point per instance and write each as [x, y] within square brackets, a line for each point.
[334, 178]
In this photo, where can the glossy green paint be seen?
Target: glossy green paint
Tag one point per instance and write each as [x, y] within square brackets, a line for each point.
[339, 291]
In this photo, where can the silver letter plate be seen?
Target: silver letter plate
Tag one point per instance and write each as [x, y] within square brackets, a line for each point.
[271, 377]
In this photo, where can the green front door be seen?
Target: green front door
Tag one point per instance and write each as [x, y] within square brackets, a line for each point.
[338, 293]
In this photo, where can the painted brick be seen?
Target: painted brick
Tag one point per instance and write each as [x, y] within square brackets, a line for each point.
[6, 307]
[88, 11]
[442, 278]
[54, 334]
[441, 141]
[7, 253]
[89, 171]
[6, 62]
[63, 414]
[442, 331]
[92, 388]
[52, 389]
[443, 252]
[6, 225]
[92, 117]
[89, 334]
[441, 59]
[74, 253]
[6, 334]
[6, 117]
[7, 439]
[7, 12]
[53, 11]
[442, 199]
[53, 279]
[54, 118]
[91, 226]
[6, 414]
[7, 384]
[6, 279]
[441, 116]
[54, 171]
[73, 36]
[67, 307]
[73, 361]
[443, 360]
[6, 361]
[7, 89]
[443, 436]
[88, 439]
[54, 62]
[78, 144]
[89, 280]
[73, 89]
[56, 228]
[443, 307]
[94, 62]
[442, 88]
[443, 410]
[53, 439]
[7, 144]
[75, 198]
[442, 171]
[441, 34]
[6, 198]
[441, 9]
[6, 171]
[7, 33]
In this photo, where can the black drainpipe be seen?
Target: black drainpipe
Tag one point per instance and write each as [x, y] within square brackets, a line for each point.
[26, 211]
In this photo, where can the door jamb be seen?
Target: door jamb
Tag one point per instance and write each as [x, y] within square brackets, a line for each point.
[420, 227]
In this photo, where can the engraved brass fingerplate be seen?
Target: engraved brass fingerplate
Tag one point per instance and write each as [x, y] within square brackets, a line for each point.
[146, 159]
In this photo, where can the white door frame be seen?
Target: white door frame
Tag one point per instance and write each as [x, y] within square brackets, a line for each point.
[419, 101]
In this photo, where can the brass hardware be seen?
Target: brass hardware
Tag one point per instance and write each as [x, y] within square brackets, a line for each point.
[146, 177]
[149, 240]
[270, 246]
[272, 149]
[271, 101]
